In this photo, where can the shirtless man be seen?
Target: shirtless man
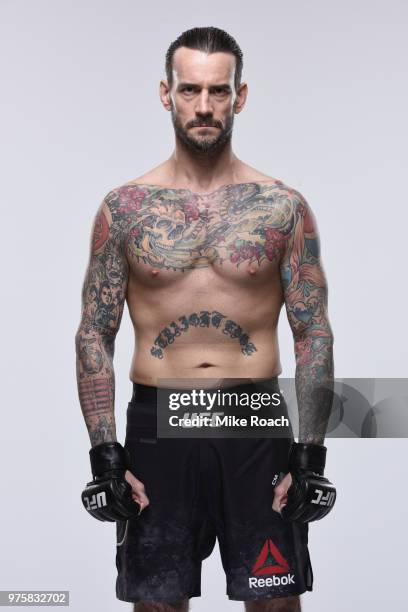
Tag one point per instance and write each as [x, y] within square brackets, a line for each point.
[205, 250]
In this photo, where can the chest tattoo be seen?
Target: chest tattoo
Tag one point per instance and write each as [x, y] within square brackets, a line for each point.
[180, 230]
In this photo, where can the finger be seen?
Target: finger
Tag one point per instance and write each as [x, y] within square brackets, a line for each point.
[280, 490]
[138, 490]
[141, 498]
[136, 484]
[131, 478]
[276, 503]
[141, 504]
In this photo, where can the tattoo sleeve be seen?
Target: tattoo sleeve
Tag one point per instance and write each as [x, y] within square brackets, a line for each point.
[103, 297]
[305, 294]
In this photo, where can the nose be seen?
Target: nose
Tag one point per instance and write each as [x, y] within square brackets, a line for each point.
[204, 106]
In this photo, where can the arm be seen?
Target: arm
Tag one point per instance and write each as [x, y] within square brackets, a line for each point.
[305, 294]
[103, 298]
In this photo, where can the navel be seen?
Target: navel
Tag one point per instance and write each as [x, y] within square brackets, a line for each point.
[154, 272]
[251, 270]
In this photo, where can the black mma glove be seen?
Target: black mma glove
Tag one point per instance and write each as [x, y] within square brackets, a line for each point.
[311, 496]
[109, 496]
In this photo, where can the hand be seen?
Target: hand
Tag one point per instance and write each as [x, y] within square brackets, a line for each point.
[114, 494]
[138, 490]
[311, 495]
[280, 493]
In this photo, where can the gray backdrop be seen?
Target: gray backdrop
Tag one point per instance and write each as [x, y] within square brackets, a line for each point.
[326, 113]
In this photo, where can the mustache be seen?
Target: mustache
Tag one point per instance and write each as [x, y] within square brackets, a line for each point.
[204, 122]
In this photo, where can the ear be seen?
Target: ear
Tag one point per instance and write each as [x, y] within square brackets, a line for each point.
[241, 97]
[165, 94]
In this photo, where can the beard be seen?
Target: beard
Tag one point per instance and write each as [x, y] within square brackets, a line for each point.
[207, 145]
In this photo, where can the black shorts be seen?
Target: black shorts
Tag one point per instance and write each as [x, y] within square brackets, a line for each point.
[199, 490]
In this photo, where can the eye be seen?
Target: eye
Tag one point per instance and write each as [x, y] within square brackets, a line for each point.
[188, 89]
[220, 91]
[163, 224]
[176, 233]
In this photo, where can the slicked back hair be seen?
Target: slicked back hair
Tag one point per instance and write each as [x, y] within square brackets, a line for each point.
[209, 40]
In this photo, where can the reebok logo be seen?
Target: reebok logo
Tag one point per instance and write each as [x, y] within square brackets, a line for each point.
[271, 561]
[279, 566]
[272, 581]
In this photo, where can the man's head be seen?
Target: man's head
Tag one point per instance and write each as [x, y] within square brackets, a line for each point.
[105, 293]
[203, 88]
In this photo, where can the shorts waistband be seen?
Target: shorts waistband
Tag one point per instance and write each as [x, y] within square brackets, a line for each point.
[147, 393]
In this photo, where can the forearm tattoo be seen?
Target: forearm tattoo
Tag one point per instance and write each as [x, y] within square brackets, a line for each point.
[103, 297]
[203, 319]
[305, 292]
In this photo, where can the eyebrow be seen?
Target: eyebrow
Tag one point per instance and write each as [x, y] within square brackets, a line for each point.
[195, 86]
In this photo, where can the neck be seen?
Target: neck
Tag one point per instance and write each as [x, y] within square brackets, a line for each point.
[203, 172]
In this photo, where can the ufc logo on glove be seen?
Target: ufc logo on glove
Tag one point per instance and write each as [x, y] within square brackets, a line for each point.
[98, 500]
[324, 500]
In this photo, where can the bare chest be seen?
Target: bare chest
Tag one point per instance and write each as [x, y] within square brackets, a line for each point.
[234, 230]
